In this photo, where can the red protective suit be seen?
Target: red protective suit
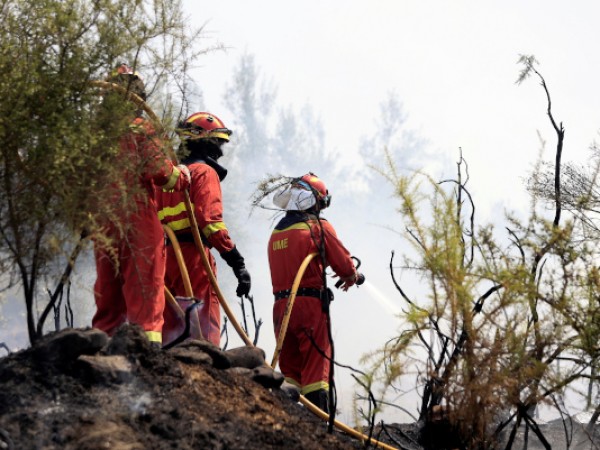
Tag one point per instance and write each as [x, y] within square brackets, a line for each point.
[130, 270]
[206, 198]
[297, 235]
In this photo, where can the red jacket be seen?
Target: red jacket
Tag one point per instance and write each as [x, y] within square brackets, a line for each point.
[206, 198]
[297, 235]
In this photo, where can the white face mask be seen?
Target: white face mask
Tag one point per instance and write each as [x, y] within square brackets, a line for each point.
[294, 199]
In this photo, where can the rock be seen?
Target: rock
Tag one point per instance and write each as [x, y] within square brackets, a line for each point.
[129, 339]
[220, 360]
[113, 368]
[248, 357]
[191, 356]
[264, 375]
[241, 371]
[292, 391]
[70, 343]
[267, 377]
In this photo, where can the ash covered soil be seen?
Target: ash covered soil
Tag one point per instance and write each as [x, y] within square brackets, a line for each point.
[79, 389]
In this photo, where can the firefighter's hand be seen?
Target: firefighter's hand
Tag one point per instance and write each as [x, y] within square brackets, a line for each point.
[235, 260]
[244, 283]
[345, 283]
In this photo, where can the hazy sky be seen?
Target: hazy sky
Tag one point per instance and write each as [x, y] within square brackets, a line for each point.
[453, 64]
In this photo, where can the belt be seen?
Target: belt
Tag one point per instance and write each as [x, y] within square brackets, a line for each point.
[302, 292]
[189, 237]
[182, 237]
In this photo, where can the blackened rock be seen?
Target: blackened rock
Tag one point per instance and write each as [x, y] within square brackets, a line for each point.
[264, 375]
[292, 391]
[220, 360]
[247, 356]
[267, 377]
[241, 371]
[129, 340]
[68, 344]
[114, 368]
[191, 356]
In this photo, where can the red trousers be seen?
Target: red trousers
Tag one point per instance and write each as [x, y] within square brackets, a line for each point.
[300, 361]
[210, 313]
[130, 277]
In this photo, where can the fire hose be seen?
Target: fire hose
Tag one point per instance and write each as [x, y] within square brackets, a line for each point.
[200, 246]
[289, 306]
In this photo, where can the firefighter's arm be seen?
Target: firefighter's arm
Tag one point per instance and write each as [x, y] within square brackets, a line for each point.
[208, 207]
[339, 258]
[209, 210]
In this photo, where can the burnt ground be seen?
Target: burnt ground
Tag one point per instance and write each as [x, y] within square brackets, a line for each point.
[79, 389]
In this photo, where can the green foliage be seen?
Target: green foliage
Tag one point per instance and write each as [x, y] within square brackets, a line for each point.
[498, 314]
[58, 134]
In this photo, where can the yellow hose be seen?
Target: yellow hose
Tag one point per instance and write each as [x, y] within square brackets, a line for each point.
[209, 271]
[289, 306]
[282, 332]
[343, 427]
[187, 285]
[169, 297]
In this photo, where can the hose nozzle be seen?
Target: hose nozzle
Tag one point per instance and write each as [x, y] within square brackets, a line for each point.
[360, 279]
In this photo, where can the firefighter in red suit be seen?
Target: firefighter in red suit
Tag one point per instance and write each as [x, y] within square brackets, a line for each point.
[203, 135]
[130, 263]
[299, 233]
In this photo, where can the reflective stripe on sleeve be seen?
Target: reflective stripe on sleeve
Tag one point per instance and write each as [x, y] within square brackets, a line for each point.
[212, 228]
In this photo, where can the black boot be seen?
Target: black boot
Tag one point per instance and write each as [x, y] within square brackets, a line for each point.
[319, 398]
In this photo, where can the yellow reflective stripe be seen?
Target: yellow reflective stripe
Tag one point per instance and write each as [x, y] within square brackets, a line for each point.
[212, 228]
[154, 336]
[172, 179]
[177, 225]
[314, 387]
[172, 210]
[296, 226]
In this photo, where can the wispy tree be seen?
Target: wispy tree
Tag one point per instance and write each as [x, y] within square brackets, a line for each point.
[58, 145]
[507, 322]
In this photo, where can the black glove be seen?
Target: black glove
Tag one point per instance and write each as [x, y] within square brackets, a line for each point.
[235, 260]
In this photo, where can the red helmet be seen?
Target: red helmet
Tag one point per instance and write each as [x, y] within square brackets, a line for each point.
[203, 125]
[313, 183]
